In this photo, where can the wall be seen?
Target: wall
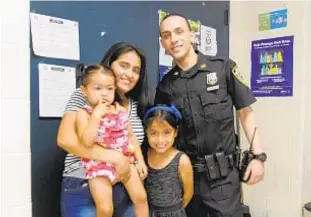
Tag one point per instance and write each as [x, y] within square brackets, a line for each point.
[306, 159]
[284, 123]
[15, 110]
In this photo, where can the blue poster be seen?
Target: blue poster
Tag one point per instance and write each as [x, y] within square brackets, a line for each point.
[163, 70]
[278, 19]
[272, 67]
[273, 20]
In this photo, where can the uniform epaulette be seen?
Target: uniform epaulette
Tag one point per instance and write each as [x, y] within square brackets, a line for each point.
[217, 58]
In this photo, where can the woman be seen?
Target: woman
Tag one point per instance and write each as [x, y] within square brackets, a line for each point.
[129, 66]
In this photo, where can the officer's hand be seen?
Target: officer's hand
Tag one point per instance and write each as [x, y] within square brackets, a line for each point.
[255, 172]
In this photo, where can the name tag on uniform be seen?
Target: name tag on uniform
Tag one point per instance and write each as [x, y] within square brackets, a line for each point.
[212, 81]
[212, 88]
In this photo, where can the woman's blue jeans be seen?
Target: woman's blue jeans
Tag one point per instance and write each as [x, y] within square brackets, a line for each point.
[77, 201]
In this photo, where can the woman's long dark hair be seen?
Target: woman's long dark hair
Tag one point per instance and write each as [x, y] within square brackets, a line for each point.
[140, 91]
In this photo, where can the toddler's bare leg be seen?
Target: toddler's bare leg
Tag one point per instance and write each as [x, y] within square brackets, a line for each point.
[101, 190]
[137, 193]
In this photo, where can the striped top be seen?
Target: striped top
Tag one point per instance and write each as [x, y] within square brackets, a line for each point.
[73, 166]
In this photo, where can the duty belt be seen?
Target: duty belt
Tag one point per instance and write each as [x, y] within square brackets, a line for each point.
[216, 166]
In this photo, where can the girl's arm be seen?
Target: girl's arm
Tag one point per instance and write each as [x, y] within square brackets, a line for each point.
[87, 127]
[186, 175]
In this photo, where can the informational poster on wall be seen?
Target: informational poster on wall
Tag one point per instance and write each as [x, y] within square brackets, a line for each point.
[56, 84]
[272, 67]
[208, 41]
[205, 42]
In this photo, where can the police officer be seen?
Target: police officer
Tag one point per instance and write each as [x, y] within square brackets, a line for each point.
[205, 89]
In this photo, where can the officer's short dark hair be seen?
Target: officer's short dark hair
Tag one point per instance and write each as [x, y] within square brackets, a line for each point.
[175, 15]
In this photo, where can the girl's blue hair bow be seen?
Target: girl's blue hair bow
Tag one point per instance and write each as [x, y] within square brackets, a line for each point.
[172, 109]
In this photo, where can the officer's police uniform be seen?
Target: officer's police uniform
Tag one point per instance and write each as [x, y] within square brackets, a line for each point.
[205, 95]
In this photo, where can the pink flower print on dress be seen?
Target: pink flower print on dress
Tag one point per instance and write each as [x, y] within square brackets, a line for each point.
[123, 122]
[112, 134]
[118, 134]
[122, 141]
[108, 123]
[101, 130]
[110, 142]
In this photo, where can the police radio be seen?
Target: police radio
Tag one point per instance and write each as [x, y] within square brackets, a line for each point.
[247, 157]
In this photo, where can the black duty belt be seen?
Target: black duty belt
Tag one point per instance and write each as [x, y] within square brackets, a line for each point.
[216, 165]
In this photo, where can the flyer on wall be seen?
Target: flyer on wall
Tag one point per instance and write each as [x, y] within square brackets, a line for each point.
[208, 41]
[272, 67]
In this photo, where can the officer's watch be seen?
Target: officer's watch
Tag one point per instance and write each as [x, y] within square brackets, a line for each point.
[262, 156]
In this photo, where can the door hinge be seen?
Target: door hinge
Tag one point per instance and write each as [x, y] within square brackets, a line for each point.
[227, 17]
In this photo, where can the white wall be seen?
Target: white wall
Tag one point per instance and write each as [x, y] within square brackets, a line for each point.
[15, 110]
[306, 179]
[284, 123]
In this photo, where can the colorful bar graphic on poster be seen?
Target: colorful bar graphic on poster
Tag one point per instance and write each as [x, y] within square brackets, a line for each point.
[272, 67]
[273, 20]
[163, 70]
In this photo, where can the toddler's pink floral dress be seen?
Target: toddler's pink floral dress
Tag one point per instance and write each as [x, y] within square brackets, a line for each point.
[112, 134]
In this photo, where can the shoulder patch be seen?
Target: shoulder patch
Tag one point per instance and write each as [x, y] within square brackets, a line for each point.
[236, 72]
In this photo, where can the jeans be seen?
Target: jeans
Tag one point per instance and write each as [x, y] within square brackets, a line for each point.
[77, 201]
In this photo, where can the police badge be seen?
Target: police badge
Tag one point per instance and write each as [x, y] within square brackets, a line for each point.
[211, 80]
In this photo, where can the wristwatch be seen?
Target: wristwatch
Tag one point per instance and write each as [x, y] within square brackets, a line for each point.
[262, 156]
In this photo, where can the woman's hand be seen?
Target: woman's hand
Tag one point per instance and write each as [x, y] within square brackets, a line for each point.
[142, 169]
[122, 167]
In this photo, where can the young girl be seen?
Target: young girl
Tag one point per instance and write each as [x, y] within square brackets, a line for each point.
[105, 123]
[169, 184]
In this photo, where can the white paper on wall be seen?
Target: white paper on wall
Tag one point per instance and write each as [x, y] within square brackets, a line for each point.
[56, 84]
[55, 37]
